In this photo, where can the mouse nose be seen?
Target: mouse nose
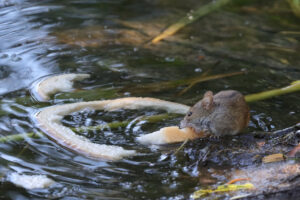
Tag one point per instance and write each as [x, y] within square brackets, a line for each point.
[182, 124]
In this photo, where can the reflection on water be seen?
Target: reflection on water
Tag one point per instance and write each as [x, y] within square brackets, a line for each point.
[24, 45]
[107, 39]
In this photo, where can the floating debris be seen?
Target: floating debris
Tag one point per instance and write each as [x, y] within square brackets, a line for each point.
[237, 180]
[30, 181]
[43, 88]
[273, 158]
[270, 178]
[222, 188]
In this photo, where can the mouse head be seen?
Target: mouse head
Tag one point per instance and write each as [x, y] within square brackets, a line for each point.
[200, 110]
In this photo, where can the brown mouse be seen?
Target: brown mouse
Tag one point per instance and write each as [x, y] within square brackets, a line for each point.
[225, 113]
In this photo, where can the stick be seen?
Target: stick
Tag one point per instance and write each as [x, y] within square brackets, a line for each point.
[200, 12]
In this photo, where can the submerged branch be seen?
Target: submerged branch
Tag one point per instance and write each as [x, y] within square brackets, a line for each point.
[158, 87]
[190, 18]
[194, 81]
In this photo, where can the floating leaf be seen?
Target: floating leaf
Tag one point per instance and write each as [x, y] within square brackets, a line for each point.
[207, 78]
[222, 188]
[273, 158]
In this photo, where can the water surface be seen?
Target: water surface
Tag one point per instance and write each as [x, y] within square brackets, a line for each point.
[108, 39]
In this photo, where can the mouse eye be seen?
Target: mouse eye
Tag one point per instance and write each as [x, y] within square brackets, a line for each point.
[189, 114]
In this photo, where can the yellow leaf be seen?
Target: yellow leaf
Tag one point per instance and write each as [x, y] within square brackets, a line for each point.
[273, 158]
[222, 188]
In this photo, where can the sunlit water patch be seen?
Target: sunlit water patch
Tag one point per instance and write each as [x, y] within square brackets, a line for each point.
[24, 45]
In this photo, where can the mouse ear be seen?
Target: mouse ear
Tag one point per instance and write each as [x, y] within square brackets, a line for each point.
[207, 101]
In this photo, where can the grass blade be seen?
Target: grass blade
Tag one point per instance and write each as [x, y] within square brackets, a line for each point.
[200, 12]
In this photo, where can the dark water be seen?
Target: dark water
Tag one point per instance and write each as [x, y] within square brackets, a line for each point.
[107, 39]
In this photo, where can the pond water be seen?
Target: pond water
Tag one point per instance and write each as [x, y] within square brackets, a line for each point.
[110, 41]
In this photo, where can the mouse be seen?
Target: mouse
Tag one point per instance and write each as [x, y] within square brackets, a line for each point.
[225, 113]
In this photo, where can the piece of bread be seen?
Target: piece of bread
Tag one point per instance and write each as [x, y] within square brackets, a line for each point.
[169, 135]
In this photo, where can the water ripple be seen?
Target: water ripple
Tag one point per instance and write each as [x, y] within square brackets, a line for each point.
[24, 45]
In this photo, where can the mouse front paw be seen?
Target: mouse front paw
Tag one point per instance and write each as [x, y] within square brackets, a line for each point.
[214, 137]
[206, 132]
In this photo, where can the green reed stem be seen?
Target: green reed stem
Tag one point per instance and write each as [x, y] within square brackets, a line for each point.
[295, 86]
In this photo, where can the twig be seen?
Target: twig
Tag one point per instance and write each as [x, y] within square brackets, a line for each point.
[157, 87]
[207, 78]
[237, 180]
[193, 16]
[181, 146]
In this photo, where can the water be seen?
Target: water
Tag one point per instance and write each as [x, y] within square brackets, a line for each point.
[107, 39]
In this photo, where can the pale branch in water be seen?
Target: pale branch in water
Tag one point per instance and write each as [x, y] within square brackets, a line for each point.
[112, 125]
[49, 120]
[43, 88]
